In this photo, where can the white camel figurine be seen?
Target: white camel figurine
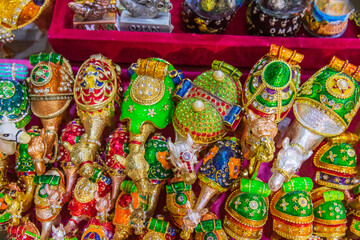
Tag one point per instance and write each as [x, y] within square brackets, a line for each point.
[289, 160]
[58, 232]
[191, 220]
[10, 135]
[183, 156]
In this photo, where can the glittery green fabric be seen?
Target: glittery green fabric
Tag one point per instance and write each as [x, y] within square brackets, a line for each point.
[128, 187]
[97, 174]
[341, 155]
[52, 180]
[333, 195]
[332, 210]
[178, 187]
[153, 150]
[250, 206]
[277, 74]
[337, 100]
[206, 121]
[158, 225]
[225, 90]
[298, 184]
[208, 226]
[255, 187]
[46, 57]
[159, 114]
[297, 204]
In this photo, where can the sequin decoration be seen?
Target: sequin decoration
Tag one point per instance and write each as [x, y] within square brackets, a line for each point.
[14, 103]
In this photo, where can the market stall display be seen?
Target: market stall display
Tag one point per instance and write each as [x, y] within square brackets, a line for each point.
[266, 155]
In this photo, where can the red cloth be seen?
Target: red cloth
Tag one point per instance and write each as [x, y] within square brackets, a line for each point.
[181, 48]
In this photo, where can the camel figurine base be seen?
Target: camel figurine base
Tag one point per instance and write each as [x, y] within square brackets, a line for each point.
[162, 23]
[109, 22]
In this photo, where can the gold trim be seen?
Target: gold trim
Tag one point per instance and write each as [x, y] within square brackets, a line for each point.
[313, 130]
[332, 233]
[279, 103]
[211, 183]
[339, 96]
[332, 185]
[346, 137]
[320, 106]
[286, 54]
[331, 167]
[46, 80]
[330, 222]
[318, 203]
[241, 219]
[291, 234]
[52, 96]
[299, 146]
[35, 17]
[344, 66]
[145, 99]
[79, 194]
[352, 228]
[84, 107]
[316, 190]
[55, 114]
[283, 172]
[278, 96]
[286, 217]
[254, 95]
[143, 68]
[154, 235]
[235, 231]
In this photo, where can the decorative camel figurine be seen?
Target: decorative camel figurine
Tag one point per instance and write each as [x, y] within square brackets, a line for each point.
[160, 170]
[218, 172]
[324, 107]
[51, 91]
[146, 9]
[71, 135]
[211, 101]
[48, 200]
[96, 88]
[15, 113]
[183, 156]
[268, 96]
[100, 227]
[147, 105]
[94, 10]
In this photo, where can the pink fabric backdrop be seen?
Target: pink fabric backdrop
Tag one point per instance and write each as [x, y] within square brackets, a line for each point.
[181, 48]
